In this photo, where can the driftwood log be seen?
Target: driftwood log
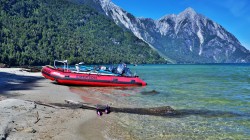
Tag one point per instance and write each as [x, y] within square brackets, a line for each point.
[48, 105]
[155, 111]
[164, 111]
[85, 105]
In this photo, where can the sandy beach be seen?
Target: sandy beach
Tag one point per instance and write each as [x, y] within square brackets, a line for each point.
[23, 117]
[32, 107]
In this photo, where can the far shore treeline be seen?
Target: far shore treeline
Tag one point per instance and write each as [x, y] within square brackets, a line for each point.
[36, 32]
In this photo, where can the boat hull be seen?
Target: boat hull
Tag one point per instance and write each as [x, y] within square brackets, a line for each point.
[65, 77]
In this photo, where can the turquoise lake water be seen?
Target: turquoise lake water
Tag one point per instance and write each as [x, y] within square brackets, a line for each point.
[213, 101]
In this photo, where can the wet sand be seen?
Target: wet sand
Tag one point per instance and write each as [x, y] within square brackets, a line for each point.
[22, 118]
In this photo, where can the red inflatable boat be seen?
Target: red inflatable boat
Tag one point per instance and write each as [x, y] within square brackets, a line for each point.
[77, 77]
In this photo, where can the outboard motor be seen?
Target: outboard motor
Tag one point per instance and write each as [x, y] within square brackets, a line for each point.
[127, 72]
[120, 68]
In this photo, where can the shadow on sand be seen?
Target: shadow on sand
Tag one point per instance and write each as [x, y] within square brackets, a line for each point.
[12, 82]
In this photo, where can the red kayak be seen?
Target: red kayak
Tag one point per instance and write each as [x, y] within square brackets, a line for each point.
[65, 76]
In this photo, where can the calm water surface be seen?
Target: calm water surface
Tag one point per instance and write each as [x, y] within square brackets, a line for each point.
[213, 101]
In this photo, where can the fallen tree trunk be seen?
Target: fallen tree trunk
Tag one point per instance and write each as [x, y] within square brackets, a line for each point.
[46, 104]
[155, 111]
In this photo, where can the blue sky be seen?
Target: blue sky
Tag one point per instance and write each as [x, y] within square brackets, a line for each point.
[233, 15]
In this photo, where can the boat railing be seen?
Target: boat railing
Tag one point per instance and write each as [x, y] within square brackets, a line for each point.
[120, 70]
[65, 64]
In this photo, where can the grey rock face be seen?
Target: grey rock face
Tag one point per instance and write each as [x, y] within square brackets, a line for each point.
[188, 37]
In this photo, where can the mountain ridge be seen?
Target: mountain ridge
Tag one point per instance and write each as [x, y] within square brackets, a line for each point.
[188, 37]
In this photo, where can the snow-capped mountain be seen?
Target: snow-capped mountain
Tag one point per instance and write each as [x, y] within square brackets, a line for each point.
[188, 37]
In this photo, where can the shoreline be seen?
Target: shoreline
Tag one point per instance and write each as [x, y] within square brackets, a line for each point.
[21, 117]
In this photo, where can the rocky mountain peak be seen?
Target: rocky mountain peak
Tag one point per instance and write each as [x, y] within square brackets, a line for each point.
[164, 18]
[189, 11]
[187, 37]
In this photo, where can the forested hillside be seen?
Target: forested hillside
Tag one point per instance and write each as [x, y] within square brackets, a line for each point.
[35, 32]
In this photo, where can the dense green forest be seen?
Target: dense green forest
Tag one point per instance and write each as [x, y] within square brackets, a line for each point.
[35, 32]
